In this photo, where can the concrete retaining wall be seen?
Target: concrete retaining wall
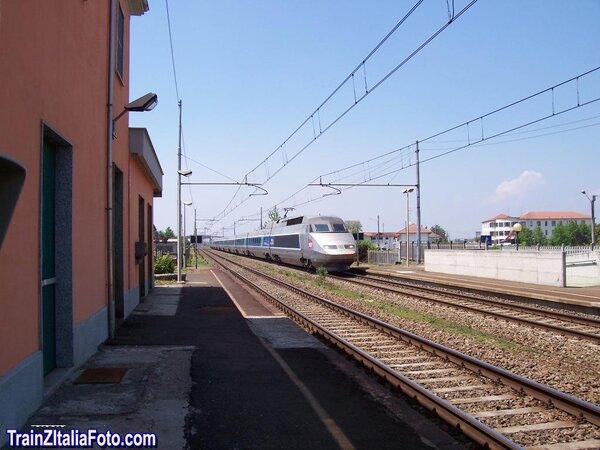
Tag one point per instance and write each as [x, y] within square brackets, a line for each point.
[547, 268]
[583, 269]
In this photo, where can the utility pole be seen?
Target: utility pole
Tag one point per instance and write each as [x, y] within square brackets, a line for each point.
[378, 235]
[407, 228]
[418, 186]
[179, 201]
[195, 239]
[592, 201]
[407, 192]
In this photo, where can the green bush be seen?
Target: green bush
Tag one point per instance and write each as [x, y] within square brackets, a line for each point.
[322, 273]
[363, 248]
[164, 264]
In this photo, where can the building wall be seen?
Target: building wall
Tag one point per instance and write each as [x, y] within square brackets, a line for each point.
[548, 225]
[54, 82]
[61, 81]
[500, 228]
[141, 188]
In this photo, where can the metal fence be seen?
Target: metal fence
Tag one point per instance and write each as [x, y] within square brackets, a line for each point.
[397, 255]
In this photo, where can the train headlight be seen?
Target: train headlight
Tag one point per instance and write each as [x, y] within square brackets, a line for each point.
[310, 243]
[330, 247]
[349, 247]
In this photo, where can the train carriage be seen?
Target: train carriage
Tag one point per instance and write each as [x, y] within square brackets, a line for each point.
[309, 241]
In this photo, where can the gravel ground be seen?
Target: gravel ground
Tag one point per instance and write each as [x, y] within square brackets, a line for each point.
[567, 364]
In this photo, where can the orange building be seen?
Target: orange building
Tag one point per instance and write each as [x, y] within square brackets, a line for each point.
[76, 253]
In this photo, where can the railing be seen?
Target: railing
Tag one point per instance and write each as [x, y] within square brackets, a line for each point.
[397, 255]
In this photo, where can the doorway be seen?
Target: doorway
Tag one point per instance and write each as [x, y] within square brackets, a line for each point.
[56, 266]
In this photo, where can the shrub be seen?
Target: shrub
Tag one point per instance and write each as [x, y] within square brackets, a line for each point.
[164, 264]
[322, 273]
[363, 248]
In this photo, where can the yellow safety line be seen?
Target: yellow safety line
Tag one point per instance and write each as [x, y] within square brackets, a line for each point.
[329, 423]
[335, 431]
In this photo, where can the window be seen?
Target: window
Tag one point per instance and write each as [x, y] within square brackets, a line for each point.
[321, 227]
[339, 227]
[288, 241]
[539, 223]
[546, 231]
[531, 223]
[546, 223]
[553, 222]
[120, 41]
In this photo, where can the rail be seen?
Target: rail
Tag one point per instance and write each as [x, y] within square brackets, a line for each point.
[472, 427]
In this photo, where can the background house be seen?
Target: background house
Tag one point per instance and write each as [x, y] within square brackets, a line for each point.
[500, 226]
[391, 240]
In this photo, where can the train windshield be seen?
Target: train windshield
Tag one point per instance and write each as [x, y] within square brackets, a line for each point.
[328, 228]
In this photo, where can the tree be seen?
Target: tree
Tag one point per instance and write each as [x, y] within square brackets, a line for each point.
[169, 234]
[443, 234]
[274, 214]
[159, 235]
[579, 233]
[571, 234]
[532, 237]
[354, 226]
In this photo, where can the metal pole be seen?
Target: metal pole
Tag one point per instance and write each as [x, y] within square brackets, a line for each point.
[195, 239]
[261, 224]
[378, 235]
[184, 235]
[179, 201]
[592, 201]
[407, 227]
[418, 186]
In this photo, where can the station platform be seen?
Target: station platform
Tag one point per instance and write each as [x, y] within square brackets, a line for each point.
[209, 365]
[584, 299]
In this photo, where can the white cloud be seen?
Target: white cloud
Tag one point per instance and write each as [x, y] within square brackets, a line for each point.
[520, 187]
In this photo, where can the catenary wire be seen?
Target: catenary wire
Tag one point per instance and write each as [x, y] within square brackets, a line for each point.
[270, 175]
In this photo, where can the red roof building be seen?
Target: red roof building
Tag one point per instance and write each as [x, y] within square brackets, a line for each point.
[391, 239]
[500, 226]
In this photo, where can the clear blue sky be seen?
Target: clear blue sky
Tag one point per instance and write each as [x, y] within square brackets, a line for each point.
[249, 73]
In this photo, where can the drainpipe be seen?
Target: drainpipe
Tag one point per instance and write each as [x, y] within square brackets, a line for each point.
[109, 171]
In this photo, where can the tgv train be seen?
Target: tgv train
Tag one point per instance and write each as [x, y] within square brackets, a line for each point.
[308, 241]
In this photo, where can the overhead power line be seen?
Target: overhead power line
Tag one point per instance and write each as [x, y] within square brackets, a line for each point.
[481, 136]
[381, 166]
[283, 155]
[172, 53]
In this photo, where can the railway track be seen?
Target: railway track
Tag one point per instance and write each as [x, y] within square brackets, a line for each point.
[496, 408]
[560, 322]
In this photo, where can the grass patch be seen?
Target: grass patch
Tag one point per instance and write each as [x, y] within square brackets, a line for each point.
[446, 325]
[199, 260]
[343, 292]
[412, 315]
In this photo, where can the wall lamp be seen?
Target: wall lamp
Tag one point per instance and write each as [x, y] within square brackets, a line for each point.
[145, 103]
